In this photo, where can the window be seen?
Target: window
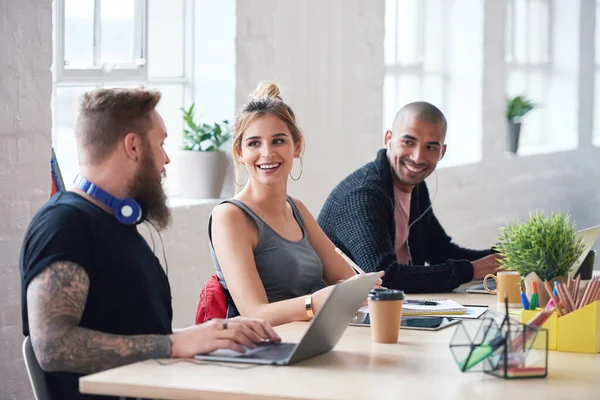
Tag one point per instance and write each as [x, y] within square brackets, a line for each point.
[542, 62]
[101, 39]
[124, 43]
[433, 53]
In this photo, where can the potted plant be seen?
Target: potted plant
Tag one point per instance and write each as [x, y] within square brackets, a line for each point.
[516, 108]
[541, 248]
[202, 163]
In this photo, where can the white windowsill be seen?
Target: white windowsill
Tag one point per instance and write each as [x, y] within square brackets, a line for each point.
[186, 202]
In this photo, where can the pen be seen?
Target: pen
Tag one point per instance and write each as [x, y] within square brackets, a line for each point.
[525, 301]
[355, 267]
[422, 302]
[554, 298]
[534, 296]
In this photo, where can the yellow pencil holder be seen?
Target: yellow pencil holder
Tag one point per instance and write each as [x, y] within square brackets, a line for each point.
[551, 325]
[578, 331]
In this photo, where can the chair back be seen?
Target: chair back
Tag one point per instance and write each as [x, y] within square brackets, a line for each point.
[35, 372]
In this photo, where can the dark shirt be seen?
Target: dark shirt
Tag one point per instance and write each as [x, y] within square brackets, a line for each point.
[358, 217]
[128, 293]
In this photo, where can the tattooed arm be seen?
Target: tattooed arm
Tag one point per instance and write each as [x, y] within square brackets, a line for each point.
[55, 301]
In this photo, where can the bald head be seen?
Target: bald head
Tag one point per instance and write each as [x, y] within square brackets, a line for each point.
[422, 111]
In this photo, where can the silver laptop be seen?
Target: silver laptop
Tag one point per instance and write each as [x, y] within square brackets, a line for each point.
[478, 288]
[323, 333]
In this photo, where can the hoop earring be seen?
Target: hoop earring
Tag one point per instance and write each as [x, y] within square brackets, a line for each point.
[235, 174]
[301, 170]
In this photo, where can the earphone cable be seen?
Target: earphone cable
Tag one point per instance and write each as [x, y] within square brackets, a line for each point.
[420, 216]
[151, 238]
[162, 245]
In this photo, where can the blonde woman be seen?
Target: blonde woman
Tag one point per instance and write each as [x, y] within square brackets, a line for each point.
[268, 249]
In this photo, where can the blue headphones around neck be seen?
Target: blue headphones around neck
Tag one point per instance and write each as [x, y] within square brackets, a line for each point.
[127, 211]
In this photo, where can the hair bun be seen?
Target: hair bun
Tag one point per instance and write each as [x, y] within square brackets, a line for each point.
[267, 89]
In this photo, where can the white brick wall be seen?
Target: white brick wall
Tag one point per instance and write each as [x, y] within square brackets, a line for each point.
[25, 140]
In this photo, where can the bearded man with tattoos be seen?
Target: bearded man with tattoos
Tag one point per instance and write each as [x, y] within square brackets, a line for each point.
[93, 294]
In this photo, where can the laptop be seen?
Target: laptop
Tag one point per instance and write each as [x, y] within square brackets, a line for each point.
[323, 333]
[588, 237]
[478, 288]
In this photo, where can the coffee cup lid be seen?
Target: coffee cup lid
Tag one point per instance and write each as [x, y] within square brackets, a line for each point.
[386, 294]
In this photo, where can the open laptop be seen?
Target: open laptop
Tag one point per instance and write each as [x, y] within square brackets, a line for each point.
[478, 288]
[588, 237]
[323, 333]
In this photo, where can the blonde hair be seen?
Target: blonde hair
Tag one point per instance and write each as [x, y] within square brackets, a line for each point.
[107, 115]
[266, 99]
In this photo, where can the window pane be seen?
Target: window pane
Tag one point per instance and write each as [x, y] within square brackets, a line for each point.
[534, 128]
[520, 26]
[66, 108]
[79, 33]
[409, 89]
[538, 31]
[168, 107]
[434, 48]
[390, 100]
[433, 90]
[389, 43]
[117, 44]
[409, 32]
[509, 32]
[165, 38]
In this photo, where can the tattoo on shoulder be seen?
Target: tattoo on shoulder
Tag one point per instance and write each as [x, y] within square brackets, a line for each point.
[56, 300]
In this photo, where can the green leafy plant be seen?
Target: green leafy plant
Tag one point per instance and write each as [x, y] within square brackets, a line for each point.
[203, 137]
[517, 107]
[545, 245]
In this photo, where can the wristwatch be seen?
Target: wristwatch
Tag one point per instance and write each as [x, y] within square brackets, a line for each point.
[308, 307]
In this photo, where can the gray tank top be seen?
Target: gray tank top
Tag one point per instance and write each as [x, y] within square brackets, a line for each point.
[286, 268]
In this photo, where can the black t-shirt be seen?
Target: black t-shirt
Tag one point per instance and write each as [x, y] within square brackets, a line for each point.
[129, 292]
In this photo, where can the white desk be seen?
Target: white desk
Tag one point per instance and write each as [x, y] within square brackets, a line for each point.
[420, 366]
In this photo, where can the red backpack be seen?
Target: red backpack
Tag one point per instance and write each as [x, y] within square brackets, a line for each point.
[213, 303]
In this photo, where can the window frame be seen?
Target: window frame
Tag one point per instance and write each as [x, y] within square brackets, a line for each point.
[98, 73]
[123, 77]
[545, 143]
[509, 49]
[418, 68]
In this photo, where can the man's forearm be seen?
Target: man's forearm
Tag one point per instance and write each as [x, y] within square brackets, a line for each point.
[84, 351]
[56, 298]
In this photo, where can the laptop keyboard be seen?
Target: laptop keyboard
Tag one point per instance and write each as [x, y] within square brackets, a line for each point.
[270, 351]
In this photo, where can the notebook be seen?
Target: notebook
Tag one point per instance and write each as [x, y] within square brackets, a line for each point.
[441, 307]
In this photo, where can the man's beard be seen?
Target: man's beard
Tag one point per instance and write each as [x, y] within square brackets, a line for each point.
[148, 191]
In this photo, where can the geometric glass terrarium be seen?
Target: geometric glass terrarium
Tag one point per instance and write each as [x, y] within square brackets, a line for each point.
[500, 346]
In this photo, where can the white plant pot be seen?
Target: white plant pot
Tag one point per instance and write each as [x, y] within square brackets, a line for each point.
[200, 174]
